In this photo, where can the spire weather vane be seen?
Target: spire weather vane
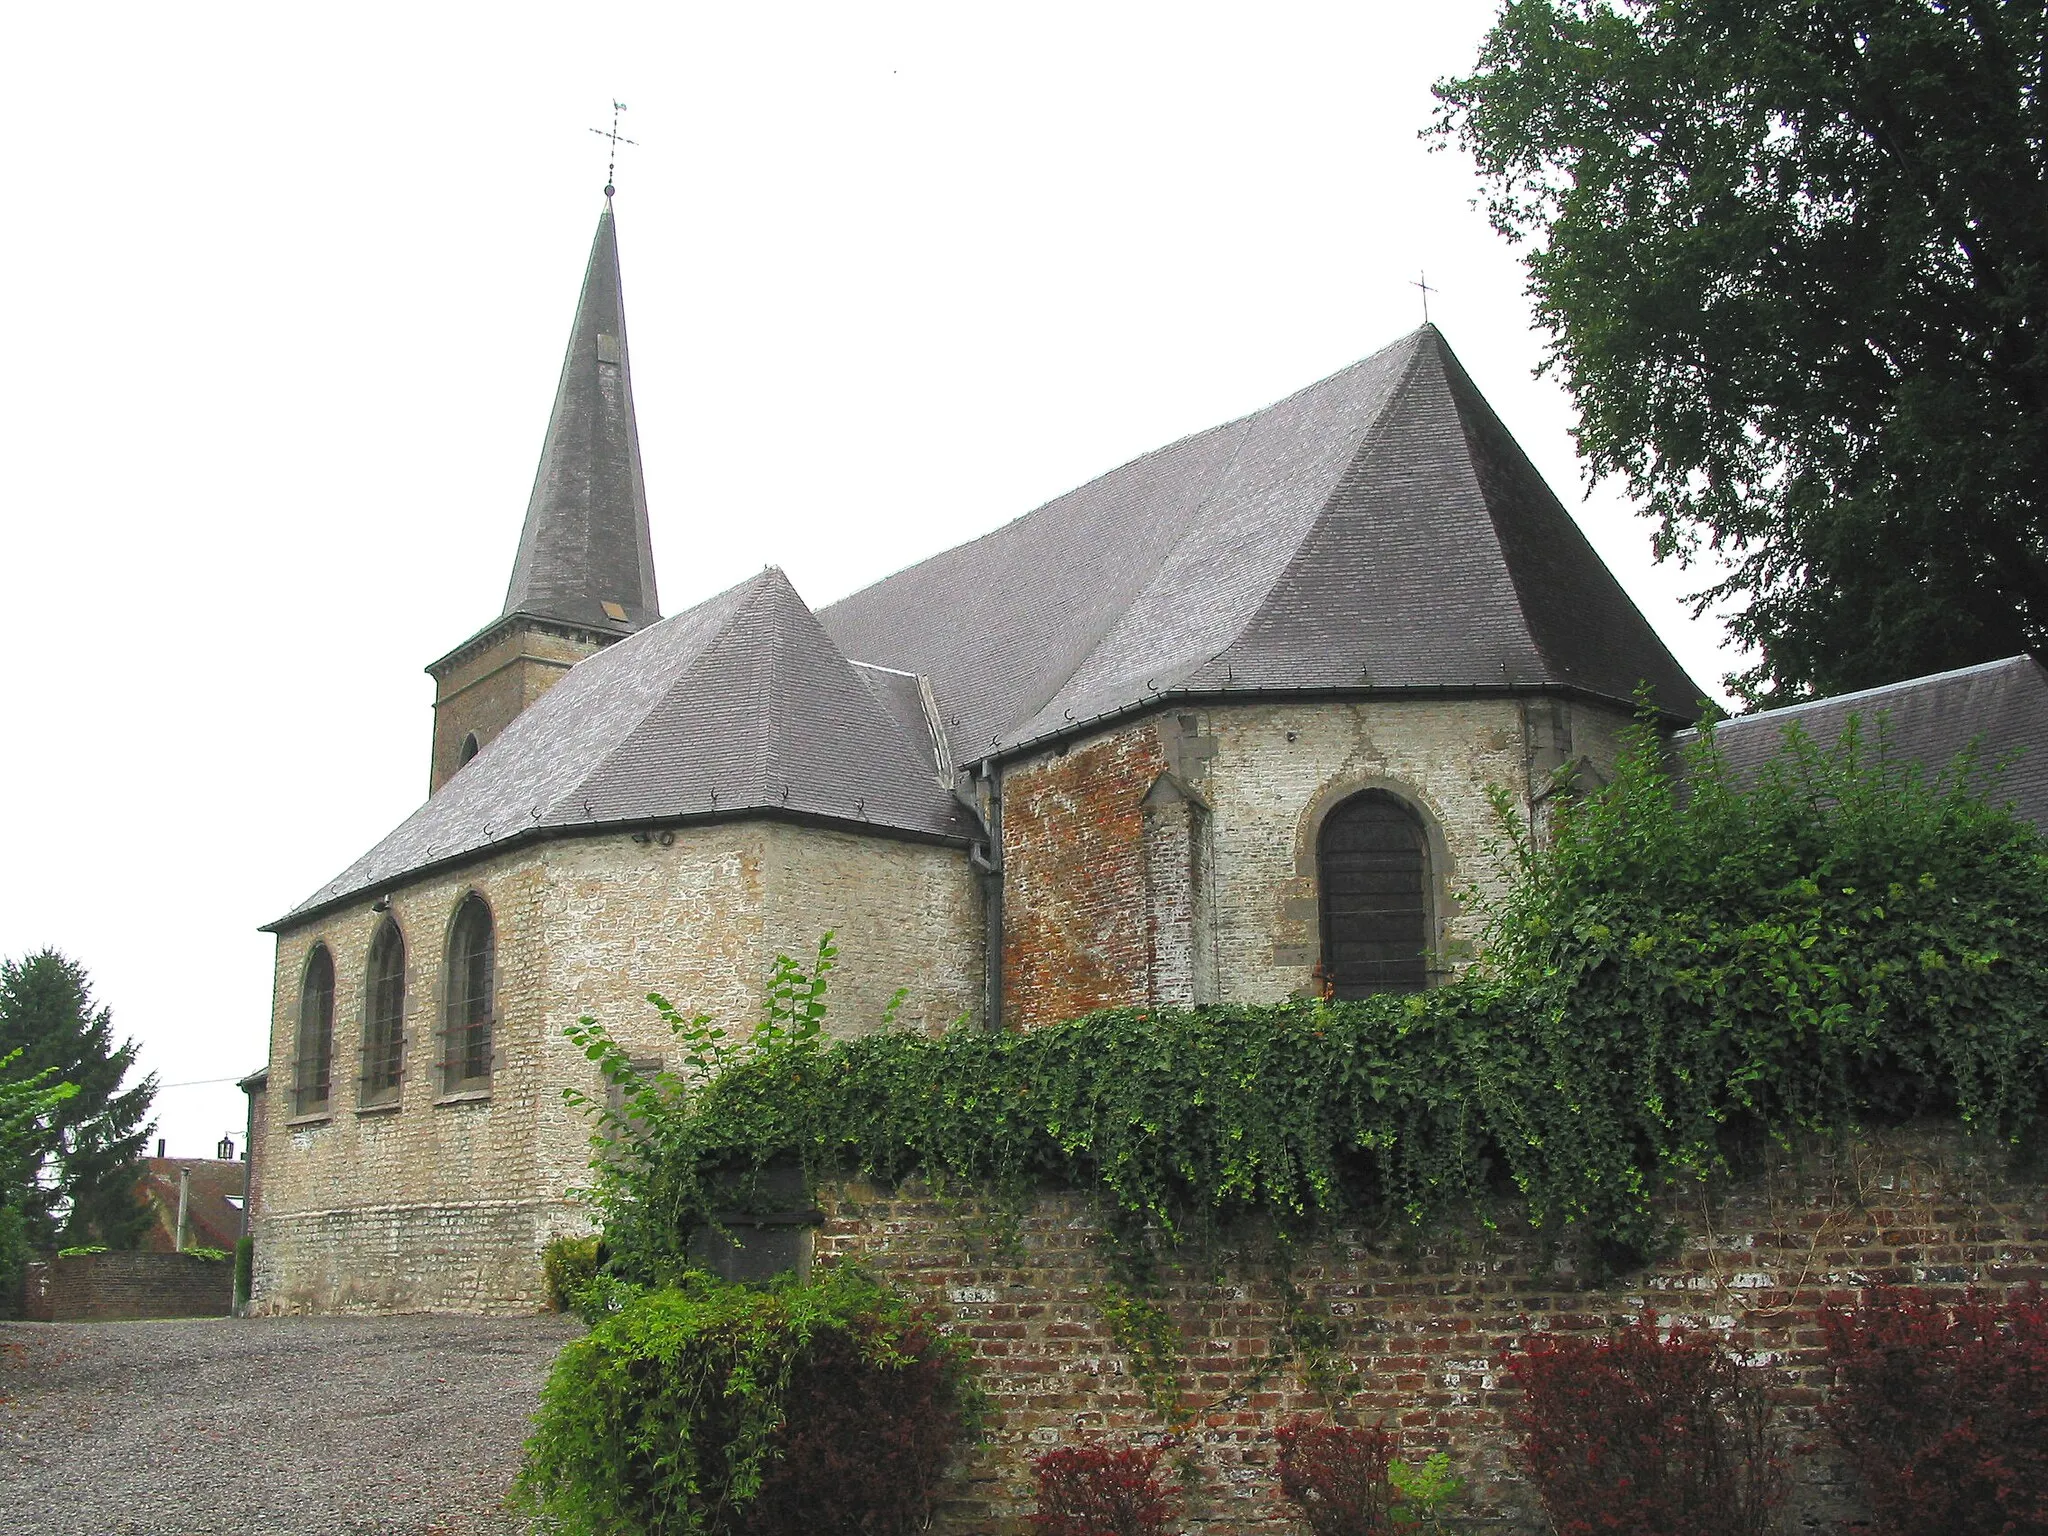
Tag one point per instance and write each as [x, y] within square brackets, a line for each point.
[616, 139]
[1422, 282]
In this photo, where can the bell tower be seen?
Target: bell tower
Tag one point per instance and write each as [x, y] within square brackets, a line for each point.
[584, 576]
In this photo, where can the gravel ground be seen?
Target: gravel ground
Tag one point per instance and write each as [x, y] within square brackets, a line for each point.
[333, 1426]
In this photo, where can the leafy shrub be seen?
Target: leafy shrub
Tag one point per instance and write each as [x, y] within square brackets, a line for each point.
[1422, 1492]
[860, 1450]
[708, 1409]
[567, 1266]
[210, 1255]
[1685, 963]
[1336, 1476]
[1640, 1432]
[245, 1269]
[1944, 1410]
[83, 1251]
[1091, 1490]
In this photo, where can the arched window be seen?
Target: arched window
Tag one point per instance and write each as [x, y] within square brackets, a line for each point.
[472, 978]
[314, 1064]
[384, 1016]
[468, 750]
[1372, 863]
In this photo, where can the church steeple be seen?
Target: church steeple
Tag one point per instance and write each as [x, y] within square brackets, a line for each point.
[584, 574]
[584, 555]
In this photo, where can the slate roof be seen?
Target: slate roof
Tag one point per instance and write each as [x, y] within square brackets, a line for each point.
[1379, 530]
[740, 705]
[1376, 532]
[2001, 707]
[585, 541]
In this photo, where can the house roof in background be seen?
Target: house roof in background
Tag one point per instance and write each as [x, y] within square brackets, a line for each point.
[2000, 708]
[212, 1219]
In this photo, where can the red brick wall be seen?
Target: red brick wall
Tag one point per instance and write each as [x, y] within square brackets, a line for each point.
[1074, 921]
[1423, 1330]
[109, 1286]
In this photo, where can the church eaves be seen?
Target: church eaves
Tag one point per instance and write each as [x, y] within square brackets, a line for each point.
[738, 707]
[1378, 531]
[584, 554]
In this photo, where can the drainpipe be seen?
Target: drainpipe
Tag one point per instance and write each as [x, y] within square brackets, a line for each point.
[184, 1203]
[990, 863]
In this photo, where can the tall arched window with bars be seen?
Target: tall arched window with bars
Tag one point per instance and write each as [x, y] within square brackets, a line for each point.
[472, 984]
[313, 1065]
[384, 1018]
[1372, 864]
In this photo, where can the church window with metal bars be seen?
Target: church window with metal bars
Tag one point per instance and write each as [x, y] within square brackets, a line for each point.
[1372, 863]
[472, 985]
[384, 1018]
[312, 1067]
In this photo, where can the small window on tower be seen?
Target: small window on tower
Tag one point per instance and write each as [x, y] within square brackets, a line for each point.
[467, 751]
[614, 611]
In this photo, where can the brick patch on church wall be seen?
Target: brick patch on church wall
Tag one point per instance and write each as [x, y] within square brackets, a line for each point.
[1422, 1326]
[1082, 899]
[1074, 918]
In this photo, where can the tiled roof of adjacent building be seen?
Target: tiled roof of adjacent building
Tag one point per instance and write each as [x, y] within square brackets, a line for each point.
[2000, 708]
[213, 1212]
[741, 705]
[1379, 530]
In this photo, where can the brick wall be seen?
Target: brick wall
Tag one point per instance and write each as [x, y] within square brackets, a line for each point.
[98, 1287]
[1421, 1327]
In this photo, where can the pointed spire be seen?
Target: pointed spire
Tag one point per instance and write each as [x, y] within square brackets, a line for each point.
[584, 555]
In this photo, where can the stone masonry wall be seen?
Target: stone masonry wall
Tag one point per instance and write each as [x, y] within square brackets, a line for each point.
[1266, 773]
[1413, 1332]
[442, 1203]
[346, 1189]
[486, 689]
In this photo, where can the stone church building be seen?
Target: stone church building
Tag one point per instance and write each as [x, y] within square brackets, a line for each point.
[1221, 725]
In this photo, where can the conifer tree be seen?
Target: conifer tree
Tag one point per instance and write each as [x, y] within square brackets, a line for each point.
[85, 1189]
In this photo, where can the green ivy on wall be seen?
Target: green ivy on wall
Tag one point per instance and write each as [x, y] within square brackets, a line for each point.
[1684, 962]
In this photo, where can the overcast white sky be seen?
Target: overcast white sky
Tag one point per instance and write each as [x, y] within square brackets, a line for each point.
[286, 293]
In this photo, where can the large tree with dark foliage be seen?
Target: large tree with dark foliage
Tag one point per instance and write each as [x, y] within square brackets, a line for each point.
[91, 1167]
[1793, 258]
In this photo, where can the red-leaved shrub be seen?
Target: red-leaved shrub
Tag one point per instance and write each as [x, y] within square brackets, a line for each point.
[1944, 1410]
[1641, 1432]
[1090, 1490]
[1337, 1477]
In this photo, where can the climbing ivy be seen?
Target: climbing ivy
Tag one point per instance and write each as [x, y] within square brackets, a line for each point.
[1143, 1329]
[1690, 960]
